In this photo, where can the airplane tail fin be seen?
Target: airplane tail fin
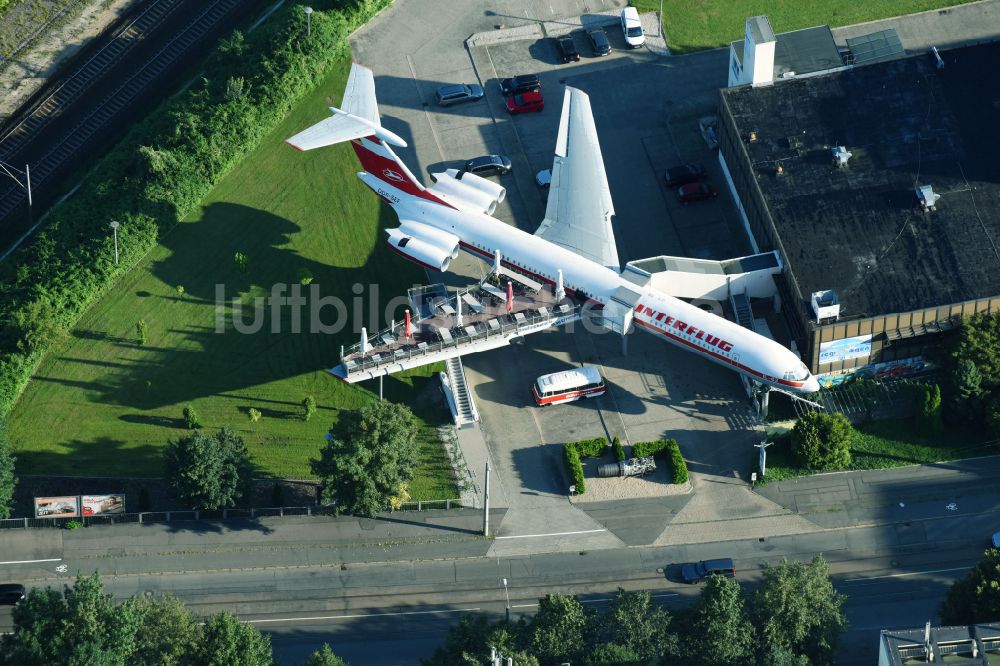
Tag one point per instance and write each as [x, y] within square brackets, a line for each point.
[359, 122]
[357, 119]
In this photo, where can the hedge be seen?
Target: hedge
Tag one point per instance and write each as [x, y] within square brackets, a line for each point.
[158, 173]
[575, 467]
[664, 448]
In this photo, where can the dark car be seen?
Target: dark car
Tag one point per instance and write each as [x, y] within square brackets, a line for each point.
[599, 42]
[520, 84]
[458, 93]
[695, 573]
[11, 593]
[567, 49]
[529, 101]
[488, 165]
[682, 174]
[695, 192]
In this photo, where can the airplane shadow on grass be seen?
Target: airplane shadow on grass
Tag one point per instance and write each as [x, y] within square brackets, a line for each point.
[191, 359]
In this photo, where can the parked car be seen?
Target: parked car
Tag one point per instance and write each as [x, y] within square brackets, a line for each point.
[682, 174]
[695, 192]
[459, 93]
[599, 42]
[526, 103]
[695, 573]
[632, 27]
[567, 49]
[488, 165]
[11, 593]
[520, 84]
[543, 178]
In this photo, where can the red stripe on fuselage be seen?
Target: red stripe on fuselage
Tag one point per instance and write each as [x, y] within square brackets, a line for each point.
[391, 173]
[718, 357]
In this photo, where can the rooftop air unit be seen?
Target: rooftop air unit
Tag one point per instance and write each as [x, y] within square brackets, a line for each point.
[926, 197]
[825, 305]
[840, 156]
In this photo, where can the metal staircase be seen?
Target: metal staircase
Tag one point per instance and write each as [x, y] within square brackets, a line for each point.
[742, 310]
[460, 399]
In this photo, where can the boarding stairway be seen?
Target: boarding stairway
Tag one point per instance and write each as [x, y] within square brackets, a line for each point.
[742, 310]
[464, 322]
[456, 389]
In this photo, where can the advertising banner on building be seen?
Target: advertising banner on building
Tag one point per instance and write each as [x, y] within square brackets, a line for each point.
[841, 350]
[57, 507]
[101, 505]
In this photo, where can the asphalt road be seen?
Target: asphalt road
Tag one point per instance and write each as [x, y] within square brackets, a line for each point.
[394, 613]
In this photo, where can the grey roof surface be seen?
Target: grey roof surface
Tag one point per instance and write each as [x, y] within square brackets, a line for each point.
[875, 47]
[949, 644]
[858, 229]
[802, 51]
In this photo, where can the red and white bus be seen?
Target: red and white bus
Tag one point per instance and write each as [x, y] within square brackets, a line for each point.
[568, 385]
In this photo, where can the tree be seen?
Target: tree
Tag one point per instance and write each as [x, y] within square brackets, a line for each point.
[253, 414]
[614, 654]
[556, 633]
[369, 454]
[225, 641]
[931, 408]
[717, 628]
[7, 479]
[308, 407]
[979, 342]
[167, 632]
[965, 404]
[975, 598]
[633, 623]
[796, 608]
[822, 440]
[191, 417]
[324, 657]
[141, 332]
[209, 471]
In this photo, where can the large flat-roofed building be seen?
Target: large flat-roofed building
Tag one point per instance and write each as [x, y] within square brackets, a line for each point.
[880, 188]
[974, 644]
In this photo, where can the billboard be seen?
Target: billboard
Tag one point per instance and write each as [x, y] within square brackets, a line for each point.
[57, 507]
[841, 350]
[101, 505]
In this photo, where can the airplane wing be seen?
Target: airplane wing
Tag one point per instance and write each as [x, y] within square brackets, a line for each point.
[579, 210]
[357, 118]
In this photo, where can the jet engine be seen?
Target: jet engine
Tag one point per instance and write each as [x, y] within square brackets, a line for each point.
[432, 235]
[463, 195]
[423, 251]
[482, 184]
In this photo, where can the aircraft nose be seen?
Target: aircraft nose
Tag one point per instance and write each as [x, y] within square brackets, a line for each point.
[811, 385]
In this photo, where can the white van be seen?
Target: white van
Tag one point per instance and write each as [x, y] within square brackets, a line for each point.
[632, 28]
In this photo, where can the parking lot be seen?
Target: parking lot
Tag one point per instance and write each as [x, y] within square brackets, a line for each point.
[646, 109]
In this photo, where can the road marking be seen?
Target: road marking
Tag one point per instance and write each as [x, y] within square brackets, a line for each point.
[532, 536]
[904, 575]
[54, 559]
[350, 617]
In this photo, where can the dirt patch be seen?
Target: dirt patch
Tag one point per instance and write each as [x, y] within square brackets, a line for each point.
[657, 484]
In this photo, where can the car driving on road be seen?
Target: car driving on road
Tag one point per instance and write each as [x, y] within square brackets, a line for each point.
[697, 572]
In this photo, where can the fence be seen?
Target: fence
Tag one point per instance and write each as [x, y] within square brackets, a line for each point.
[146, 517]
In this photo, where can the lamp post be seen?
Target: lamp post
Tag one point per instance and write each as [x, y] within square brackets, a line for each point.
[763, 456]
[506, 594]
[114, 228]
[309, 12]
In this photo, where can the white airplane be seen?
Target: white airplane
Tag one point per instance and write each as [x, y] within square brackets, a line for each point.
[575, 241]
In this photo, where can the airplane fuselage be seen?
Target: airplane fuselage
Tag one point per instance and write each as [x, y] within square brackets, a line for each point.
[680, 323]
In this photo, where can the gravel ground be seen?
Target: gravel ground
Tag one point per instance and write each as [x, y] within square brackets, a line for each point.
[600, 489]
[20, 78]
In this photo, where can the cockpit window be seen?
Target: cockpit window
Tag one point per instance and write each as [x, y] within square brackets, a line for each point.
[799, 374]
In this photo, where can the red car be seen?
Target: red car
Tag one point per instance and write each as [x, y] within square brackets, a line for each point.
[526, 102]
[695, 192]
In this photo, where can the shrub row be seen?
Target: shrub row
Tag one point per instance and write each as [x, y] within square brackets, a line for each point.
[667, 449]
[158, 173]
[575, 467]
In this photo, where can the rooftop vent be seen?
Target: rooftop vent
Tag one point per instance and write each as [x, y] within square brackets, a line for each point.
[926, 197]
[752, 136]
[779, 170]
[825, 305]
[840, 156]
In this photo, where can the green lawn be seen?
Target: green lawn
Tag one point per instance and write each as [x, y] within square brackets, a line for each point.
[889, 443]
[692, 25]
[103, 405]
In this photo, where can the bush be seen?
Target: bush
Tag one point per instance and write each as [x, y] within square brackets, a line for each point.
[679, 468]
[822, 440]
[159, 173]
[664, 449]
[658, 449]
[191, 417]
[591, 448]
[73, 524]
[308, 407]
[253, 414]
[616, 444]
[141, 332]
[930, 408]
[575, 467]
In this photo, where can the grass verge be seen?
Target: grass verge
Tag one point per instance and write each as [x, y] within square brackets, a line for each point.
[694, 25]
[102, 404]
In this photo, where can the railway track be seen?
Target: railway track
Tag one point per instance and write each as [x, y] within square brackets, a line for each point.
[68, 124]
